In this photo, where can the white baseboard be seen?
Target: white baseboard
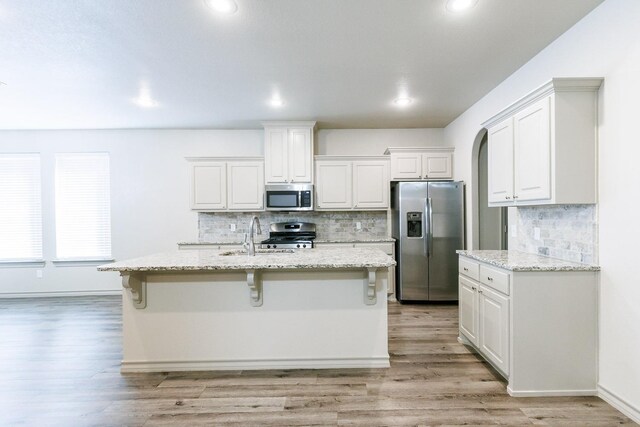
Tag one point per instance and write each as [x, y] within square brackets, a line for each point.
[544, 393]
[236, 365]
[618, 403]
[59, 294]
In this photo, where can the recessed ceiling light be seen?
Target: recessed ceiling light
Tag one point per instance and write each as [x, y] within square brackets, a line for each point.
[144, 98]
[402, 101]
[460, 5]
[276, 102]
[226, 7]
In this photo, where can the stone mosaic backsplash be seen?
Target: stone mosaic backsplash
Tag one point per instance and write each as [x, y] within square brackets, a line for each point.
[567, 232]
[216, 226]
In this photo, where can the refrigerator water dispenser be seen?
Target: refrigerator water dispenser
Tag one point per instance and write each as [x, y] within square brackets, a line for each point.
[414, 224]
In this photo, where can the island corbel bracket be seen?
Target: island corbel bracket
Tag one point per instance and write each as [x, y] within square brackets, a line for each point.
[136, 284]
[255, 287]
[370, 287]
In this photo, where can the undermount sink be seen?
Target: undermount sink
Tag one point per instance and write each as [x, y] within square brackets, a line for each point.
[259, 252]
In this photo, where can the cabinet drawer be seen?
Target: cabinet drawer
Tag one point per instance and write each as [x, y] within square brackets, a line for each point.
[469, 268]
[495, 279]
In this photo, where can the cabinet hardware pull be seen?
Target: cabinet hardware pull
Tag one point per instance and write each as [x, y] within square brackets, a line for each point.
[507, 197]
[515, 197]
[479, 292]
[465, 268]
[473, 288]
[490, 279]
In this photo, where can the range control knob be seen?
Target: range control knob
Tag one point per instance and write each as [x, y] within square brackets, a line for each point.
[268, 246]
[298, 245]
[275, 246]
[304, 246]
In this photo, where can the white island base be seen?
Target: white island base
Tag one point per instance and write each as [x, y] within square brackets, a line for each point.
[209, 320]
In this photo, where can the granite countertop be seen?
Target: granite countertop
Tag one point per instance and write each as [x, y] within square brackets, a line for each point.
[239, 243]
[372, 240]
[522, 261]
[213, 259]
[365, 240]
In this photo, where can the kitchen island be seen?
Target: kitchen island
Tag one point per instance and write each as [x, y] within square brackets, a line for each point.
[222, 309]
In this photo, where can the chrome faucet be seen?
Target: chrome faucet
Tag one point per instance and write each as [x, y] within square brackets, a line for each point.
[248, 243]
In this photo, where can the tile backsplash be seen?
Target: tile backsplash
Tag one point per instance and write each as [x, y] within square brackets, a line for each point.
[568, 232]
[216, 227]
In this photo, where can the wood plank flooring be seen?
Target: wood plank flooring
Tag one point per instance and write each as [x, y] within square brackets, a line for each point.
[60, 361]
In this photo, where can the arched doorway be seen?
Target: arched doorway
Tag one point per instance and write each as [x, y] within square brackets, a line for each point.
[489, 224]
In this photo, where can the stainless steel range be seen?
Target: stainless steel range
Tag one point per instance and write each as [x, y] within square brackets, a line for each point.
[290, 235]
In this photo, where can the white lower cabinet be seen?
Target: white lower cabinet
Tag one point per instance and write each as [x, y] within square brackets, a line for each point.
[468, 309]
[493, 331]
[538, 328]
[484, 320]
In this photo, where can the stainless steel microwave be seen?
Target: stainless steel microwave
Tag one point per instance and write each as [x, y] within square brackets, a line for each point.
[289, 197]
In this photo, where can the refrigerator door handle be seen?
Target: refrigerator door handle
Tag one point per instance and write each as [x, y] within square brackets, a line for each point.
[425, 226]
[430, 226]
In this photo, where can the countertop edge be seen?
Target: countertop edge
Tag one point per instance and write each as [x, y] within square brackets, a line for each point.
[562, 265]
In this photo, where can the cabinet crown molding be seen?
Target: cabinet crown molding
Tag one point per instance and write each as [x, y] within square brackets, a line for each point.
[311, 124]
[390, 150]
[224, 159]
[556, 84]
[321, 157]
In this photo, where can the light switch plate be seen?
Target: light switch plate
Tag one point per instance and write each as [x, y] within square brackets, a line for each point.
[232, 227]
[514, 231]
[536, 233]
[358, 225]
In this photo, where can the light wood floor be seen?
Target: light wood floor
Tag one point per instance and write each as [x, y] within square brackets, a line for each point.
[59, 365]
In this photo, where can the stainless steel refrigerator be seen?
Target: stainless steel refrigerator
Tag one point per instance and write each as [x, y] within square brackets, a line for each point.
[428, 225]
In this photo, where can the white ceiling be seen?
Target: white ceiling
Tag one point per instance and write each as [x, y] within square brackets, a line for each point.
[77, 64]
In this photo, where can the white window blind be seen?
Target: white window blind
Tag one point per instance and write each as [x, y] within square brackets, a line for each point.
[83, 207]
[20, 207]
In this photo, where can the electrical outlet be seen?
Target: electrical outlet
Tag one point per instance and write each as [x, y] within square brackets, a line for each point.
[358, 225]
[536, 233]
[39, 274]
[232, 227]
[514, 231]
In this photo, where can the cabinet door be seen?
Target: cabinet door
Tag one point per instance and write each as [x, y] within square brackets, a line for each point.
[245, 186]
[494, 327]
[532, 152]
[276, 155]
[333, 185]
[371, 184]
[406, 165]
[437, 166]
[500, 162]
[300, 155]
[468, 309]
[208, 186]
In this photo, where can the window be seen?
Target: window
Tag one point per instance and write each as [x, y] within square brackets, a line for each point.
[20, 208]
[83, 207]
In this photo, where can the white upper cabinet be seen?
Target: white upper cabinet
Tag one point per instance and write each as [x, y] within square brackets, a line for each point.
[500, 162]
[245, 185]
[542, 149]
[531, 150]
[208, 185]
[421, 163]
[352, 182]
[288, 152]
[334, 184]
[220, 184]
[370, 184]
